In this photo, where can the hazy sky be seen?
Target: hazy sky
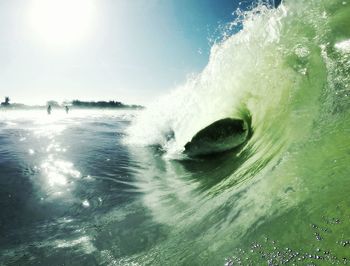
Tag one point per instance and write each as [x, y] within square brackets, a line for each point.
[128, 50]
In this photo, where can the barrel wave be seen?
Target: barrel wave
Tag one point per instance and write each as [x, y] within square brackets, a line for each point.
[283, 195]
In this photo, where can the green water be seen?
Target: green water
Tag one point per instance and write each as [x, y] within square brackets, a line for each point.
[286, 192]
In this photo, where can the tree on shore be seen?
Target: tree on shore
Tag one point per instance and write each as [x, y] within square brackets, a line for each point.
[52, 103]
[6, 102]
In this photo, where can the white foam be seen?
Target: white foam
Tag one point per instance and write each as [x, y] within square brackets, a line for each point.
[343, 46]
[239, 69]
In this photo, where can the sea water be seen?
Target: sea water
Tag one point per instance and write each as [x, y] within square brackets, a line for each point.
[113, 187]
[63, 179]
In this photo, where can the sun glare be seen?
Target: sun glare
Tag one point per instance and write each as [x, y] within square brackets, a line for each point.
[61, 22]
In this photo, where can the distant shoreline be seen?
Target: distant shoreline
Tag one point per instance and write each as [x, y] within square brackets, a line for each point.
[75, 104]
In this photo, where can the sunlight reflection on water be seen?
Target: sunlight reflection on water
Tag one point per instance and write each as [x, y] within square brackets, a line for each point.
[63, 169]
[58, 170]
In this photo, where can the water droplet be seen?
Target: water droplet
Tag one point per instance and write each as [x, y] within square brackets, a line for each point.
[86, 203]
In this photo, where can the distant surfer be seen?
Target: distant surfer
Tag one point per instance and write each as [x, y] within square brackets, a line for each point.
[67, 109]
[49, 110]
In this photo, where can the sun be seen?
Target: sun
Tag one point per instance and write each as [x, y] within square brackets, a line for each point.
[61, 22]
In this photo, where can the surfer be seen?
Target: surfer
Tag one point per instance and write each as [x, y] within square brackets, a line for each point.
[67, 109]
[49, 110]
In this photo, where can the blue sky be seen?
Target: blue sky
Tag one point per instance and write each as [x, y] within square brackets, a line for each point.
[131, 51]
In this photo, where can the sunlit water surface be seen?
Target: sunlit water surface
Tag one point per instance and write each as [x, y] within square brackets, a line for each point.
[65, 186]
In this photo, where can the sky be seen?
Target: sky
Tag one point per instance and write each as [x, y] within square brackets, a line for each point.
[130, 51]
